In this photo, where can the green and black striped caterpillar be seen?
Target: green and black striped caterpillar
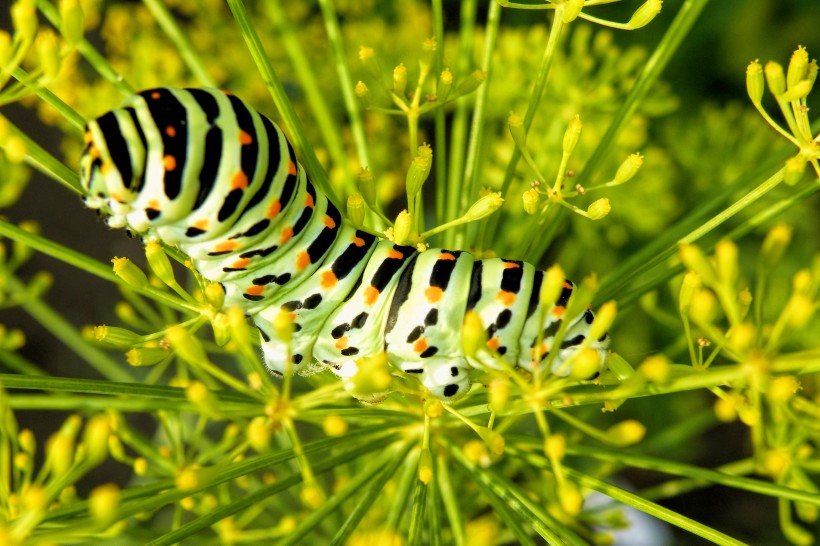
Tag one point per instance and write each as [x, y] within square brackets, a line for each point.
[200, 170]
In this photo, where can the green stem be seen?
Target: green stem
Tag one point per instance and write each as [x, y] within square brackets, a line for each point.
[458, 130]
[351, 103]
[313, 92]
[532, 107]
[439, 131]
[281, 100]
[87, 264]
[654, 66]
[168, 24]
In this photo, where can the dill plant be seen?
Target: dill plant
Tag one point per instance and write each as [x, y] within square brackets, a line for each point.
[544, 134]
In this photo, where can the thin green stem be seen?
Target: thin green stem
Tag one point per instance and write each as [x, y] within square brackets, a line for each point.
[334, 36]
[313, 91]
[168, 24]
[281, 100]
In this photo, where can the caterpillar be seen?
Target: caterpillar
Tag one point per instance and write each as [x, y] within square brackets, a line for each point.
[200, 170]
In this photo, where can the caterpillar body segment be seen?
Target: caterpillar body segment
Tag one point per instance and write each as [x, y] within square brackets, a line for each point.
[199, 169]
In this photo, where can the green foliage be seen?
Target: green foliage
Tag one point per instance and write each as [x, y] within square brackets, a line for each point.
[529, 130]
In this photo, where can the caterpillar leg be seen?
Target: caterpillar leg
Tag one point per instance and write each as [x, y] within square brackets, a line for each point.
[446, 378]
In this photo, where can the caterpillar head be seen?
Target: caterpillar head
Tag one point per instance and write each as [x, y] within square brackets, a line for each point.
[110, 166]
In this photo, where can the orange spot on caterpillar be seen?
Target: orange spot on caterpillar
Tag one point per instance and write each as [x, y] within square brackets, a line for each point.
[303, 260]
[309, 201]
[395, 255]
[493, 343]
[200, 224]
[241, 263]
[225, 246]
[239, 181]
[507, 298]
[538, 352]
[420, 345]
[245, 138]
[446, 256]
[342, 342]
[558, 311]
[155, 95]
[87, 138]
[567, 285]
[273, 210]
[153, 204]
[511, 265]
[371, 294]
[171, 131]
[433, 293]
[358, 241]
[292, 168]
[169, 163]
[255, 290]
[287, 233]
[329, 222]
[328, 279]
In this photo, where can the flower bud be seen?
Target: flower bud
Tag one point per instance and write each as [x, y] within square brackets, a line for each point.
[71, 21]
[159, 263]
[355, 209]
[555, 447]
[782, 389]
[202, 397]
[628, 169]
[372, 377]
[15, 148]
[283, 326]
[425, 466]
[399, 79]
[599, 209]
[428, 49]
[221, 325]
[473, 336]
[726, 261]
[48, 51]
[644, 14]
[484, 207]
[95, 439]
[499, 394]
[367, 187]
[694, 260]
[445, 84]
[187, 479]
[799, 91]
[119, 337]
[572, 135]
[794, 169]
[702, 309]
[187, 347]
[129, 272]
[585, 363]
[312, 496]
[775, 78]
[494, 440]
[363, 93]
[104, 502]
[259, 434]
[471, 83]
[570, 498]
[334, 426]
[754, 82]
[6, 53]
[656, 368]
[24, 20]
[402, 227]
[774, 245]
[516, 125]
[626, 433]
[146, 356]
[551, 286]
[27, 441]
[531, 199]
[603, 319]
[371, 64]
[419, 170]
[798, 67]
